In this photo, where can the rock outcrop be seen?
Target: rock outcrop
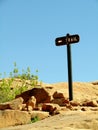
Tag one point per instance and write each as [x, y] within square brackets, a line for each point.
[41, 102]
[41, 95]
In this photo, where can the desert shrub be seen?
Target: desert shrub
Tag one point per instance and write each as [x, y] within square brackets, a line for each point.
[5, 91]
[26, 74]
[8, 91]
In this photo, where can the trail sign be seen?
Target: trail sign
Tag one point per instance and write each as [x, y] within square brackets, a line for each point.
[68, 39]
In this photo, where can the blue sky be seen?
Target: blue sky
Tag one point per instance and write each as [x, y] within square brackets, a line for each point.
[28, 29]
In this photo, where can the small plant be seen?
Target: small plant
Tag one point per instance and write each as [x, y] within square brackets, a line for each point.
[34, 119]
[15, 71]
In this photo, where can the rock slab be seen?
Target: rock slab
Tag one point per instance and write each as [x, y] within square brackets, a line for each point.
[14, 117]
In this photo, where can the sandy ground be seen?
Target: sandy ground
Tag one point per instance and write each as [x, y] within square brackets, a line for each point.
[70, 120]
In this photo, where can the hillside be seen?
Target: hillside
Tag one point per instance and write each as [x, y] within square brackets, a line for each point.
[81, 113]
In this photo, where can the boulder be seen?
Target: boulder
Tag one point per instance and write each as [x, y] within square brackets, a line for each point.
[74, 103]
[92, 103]
[41, 95]
[4, 106]
[85, 109]
[51, 108]
[59, 98]
[58, 94]
[14, 117]
[31, 103]
[95, 83]
[29, 108]
[15, 104]
[59, 101]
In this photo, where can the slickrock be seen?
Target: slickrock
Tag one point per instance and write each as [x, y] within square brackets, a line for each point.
[48, 101]
[14, 117]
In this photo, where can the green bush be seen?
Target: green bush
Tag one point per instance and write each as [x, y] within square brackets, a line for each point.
[7, 92]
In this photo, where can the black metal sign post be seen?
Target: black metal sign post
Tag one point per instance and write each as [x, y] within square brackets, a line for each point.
[67, 40]
[69, 72]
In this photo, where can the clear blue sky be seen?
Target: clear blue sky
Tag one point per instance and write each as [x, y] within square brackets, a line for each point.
[28, 29]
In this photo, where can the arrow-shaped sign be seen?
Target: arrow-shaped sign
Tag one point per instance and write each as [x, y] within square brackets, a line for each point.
[68, 39]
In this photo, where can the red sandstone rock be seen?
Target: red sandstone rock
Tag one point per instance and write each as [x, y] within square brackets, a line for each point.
[58, 94]
[51, 108]
[31, 102]
[41, 95]
[74, 103]
[90, 103]
[59, 101]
